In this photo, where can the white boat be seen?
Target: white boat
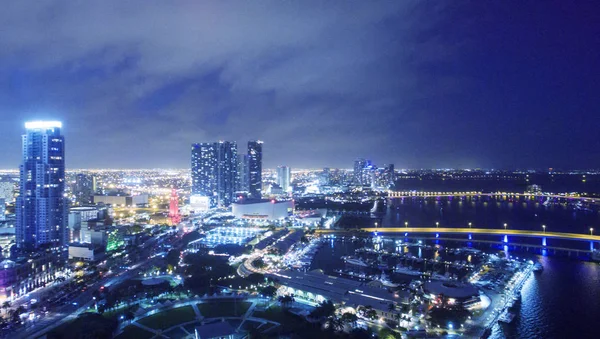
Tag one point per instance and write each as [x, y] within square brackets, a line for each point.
[355, 262]
[407, 271]
[386, 281]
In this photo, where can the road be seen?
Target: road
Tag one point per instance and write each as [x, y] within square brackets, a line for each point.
[486, 231]
[82, 301]
[400, 195]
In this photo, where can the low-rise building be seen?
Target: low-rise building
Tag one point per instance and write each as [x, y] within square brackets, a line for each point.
[83, 252]
[316, 287]
[26, 273]
[450, 294]
[263, 209]
[118, 199]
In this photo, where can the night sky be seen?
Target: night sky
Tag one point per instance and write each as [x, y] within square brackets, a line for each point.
[493, 84]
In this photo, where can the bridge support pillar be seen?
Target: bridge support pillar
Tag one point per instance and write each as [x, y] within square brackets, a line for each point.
[591, 245]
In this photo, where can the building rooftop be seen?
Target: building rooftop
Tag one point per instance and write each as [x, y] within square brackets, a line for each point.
[450, 289]
[259, 201]
[340, 290]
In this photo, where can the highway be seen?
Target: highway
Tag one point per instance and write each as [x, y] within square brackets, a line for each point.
[399, 195]
[485, 231]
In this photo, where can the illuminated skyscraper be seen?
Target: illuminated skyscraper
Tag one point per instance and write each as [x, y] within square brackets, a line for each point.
[84, 188]
[214, 171]
[41, 207]
[283, 177]
[255, 168]
[243, 173]
[361, 175]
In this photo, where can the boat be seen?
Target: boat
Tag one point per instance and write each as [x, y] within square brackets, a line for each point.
[386, 281]
[537, 267]
[506, 317]
[355, 262]
[407, 271]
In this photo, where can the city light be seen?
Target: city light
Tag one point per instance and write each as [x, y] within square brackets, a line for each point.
[43, 124]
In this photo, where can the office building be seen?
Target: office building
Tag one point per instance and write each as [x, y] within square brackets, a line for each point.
[389, 175]
[243, 173]
[255, 168]
[7, 190]
[41, 207]
[2, 209]
[214, 171]
[284, 176]
[84, 188]
[359, 173]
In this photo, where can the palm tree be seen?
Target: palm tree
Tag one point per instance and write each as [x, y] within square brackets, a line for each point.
[350, 318]
[336, 323]
[285, 300]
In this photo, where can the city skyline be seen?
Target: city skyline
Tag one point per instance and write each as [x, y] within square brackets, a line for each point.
[417, 84]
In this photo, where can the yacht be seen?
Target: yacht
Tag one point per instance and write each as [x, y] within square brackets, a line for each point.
[406, 270]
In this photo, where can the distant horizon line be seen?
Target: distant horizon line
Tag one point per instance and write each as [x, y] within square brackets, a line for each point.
[321, 168]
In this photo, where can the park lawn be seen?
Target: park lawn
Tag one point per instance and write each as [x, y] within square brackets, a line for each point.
[133, 331]
[223, 309]
[290, 323]
[169, 318]
[177, 333]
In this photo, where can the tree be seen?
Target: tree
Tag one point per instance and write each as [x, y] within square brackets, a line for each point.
[325, 310]
[173, 258]
[350, 319]
[268, 291]
[387, 333]
[335, 324]
[286, 300]
[391, 307]
[255, 278]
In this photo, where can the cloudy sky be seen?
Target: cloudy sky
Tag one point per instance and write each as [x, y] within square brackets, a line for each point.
[416, 83]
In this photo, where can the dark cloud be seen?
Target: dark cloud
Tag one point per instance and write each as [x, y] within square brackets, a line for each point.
[320, 82]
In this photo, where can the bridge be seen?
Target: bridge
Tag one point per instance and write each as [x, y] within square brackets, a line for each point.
[413, 194]
[504, 233]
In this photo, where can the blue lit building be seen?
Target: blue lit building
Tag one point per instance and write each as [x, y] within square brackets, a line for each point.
[214, 171]
[41, 207]
[284, 176]
[255, 168]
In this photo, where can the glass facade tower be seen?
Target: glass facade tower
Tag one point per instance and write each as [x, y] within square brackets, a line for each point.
[214, 171]
[255, 168]
[41, 207]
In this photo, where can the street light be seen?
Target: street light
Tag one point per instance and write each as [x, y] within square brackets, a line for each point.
[375, 225]
[505, 225]
[591, 231]
[406, 224]
[437, 224]
[470, 225]
[544, 227]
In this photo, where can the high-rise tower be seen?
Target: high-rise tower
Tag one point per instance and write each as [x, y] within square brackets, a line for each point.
[243, 173]
[174, 215]
[41, 207]
[284, 177]
[255, 168]
[214, 171]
